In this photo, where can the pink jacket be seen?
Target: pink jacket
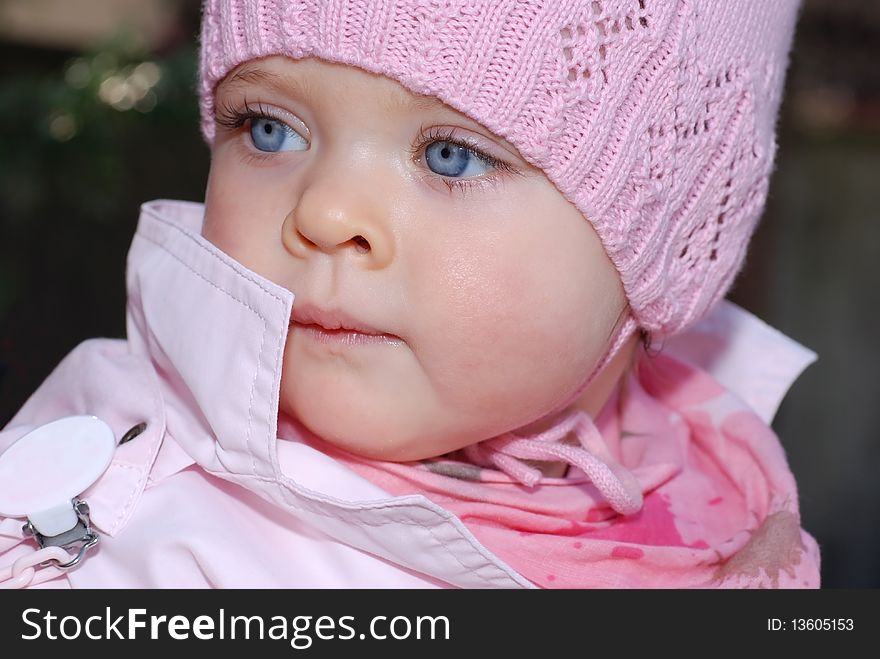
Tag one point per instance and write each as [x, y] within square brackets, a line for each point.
[207, 496]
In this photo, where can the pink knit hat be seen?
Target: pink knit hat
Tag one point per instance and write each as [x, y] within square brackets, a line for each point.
[655, 118]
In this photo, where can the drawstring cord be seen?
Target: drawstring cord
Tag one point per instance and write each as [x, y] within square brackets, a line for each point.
[506, 452]
[615, 482]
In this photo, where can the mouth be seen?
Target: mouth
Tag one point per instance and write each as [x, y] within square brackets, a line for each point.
[338, 327]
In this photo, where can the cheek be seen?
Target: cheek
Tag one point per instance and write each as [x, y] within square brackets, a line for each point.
[242, 208]
[223, 202]
[513, 327]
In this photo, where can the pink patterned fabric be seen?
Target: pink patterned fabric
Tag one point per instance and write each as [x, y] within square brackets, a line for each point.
[655, 118]
[720, 503]
[616, 484]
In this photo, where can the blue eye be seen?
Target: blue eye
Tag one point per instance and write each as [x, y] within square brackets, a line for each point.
[272, 135]
[452, 159]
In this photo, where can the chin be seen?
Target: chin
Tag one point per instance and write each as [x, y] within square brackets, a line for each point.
[371, 428]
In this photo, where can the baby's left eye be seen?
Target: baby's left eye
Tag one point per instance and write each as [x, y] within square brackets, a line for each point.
[453, 159]
[272, 135]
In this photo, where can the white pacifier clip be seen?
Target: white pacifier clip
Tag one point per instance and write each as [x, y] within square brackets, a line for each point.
[41, 477]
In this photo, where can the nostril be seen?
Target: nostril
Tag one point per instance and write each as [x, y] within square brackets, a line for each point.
[362, 244]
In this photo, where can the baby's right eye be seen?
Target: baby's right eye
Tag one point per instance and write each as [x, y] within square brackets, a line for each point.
[272, 135]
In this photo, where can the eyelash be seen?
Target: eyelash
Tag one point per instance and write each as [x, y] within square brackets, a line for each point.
[233, 118]
[435, 134]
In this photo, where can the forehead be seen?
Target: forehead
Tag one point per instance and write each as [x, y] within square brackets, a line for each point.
[318, 83]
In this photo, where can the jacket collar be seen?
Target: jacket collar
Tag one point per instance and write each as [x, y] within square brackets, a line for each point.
[216, 331]
[755, 361]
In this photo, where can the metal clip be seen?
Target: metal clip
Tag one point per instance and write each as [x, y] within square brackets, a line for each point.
[80, 538]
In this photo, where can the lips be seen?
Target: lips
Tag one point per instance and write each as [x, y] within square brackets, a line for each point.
[332, 319]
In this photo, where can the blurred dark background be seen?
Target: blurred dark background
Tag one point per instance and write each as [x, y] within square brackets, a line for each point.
[98, 114]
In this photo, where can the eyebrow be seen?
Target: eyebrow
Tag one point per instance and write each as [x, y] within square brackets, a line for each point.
[301, 88]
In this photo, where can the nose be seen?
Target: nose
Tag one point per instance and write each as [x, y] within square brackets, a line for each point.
[339, 214]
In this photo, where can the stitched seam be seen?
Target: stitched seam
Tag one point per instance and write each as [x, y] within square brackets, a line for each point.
[145, 470]
[395, 520]
[207, 251]
[124, 465]
[244, 304]
[258, 284]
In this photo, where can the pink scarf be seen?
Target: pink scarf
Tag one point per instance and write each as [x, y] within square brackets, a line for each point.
[719, 508]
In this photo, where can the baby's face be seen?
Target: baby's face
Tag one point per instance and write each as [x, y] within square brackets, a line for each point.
[495, 293]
